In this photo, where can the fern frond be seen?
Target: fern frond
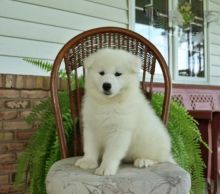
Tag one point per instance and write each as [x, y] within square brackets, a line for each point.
[44, 65]
[43, 148]
[39, 110]
[186, 140]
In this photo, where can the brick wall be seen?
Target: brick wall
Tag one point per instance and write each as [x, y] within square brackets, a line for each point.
[18, 95]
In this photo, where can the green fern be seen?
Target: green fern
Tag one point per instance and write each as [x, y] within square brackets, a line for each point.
[186, 140]
[44, 65]
[43, 148]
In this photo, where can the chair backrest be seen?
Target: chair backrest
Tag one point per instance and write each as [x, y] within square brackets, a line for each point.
[81, 46]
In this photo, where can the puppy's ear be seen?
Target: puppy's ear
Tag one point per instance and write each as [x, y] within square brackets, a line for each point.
[135, 63]
[89, 61]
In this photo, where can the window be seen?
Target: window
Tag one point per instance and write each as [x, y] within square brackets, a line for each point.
[176, 27]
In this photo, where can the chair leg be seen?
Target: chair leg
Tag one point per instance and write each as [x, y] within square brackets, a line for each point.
[209, 162]
[209, 188]
[215, 135]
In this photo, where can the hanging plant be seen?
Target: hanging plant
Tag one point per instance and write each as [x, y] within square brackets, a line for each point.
[185, 9]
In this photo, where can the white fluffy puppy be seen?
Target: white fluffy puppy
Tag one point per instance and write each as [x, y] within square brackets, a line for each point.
[119, 124]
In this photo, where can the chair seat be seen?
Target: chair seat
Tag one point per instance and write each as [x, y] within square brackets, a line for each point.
[64, 178]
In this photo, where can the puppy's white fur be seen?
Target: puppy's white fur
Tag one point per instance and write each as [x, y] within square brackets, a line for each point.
[120, 124]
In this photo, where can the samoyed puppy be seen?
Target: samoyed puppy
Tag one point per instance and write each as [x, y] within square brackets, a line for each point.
[119, 123]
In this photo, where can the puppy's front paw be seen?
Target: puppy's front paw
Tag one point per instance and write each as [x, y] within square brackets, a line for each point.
[86, 163]
[142, 162]
[106, 170]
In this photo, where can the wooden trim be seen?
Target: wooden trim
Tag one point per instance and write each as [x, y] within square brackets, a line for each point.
[201, 114]
[188, 86]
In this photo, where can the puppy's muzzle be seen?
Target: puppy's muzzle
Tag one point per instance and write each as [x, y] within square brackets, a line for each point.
[107, 88]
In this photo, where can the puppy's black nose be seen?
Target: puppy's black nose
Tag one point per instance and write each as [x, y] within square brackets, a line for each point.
[106, 86]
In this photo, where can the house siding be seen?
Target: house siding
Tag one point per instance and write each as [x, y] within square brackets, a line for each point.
[214, 43]
[38, 29]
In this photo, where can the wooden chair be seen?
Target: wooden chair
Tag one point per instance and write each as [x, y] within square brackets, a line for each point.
[63, 176]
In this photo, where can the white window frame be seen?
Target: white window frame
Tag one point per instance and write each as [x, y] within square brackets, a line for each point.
[171, 41]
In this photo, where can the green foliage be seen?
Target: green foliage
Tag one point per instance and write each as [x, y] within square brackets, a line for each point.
[43, 148]
[44, 65]
[185, 9]
[47, 66]
[186, 140]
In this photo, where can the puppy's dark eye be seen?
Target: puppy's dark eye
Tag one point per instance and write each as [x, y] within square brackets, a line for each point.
[101, 73]
[117, 74]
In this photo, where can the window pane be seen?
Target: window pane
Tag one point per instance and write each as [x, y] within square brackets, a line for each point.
[152, 23]
[190, 40]
[186, 20]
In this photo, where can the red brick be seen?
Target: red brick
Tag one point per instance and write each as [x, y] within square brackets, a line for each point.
[16, 125]
[12, 178]
[1, 81]
[7, 115]
[17, 104]
[34, 94]
[19, 154]
[29, 82]
[8, 168]
[10, 81]
[7, 158]
[7, 93]
[46, 83]
[36, 102]
[24, 114]
[13, 146]
[24, 134]
[20, 81]
[39, 82]
[4, 189]
[6, 136]
[4, 179]
[2, 102]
